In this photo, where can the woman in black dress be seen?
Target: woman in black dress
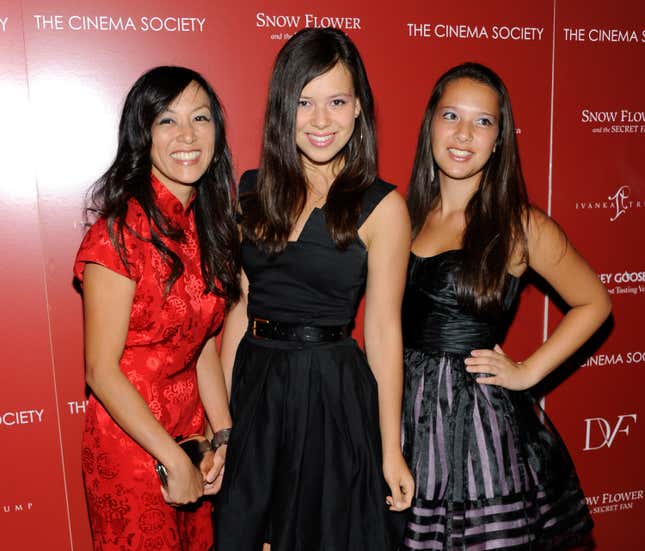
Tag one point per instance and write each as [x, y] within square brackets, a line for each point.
[306, 460]
[491, 472]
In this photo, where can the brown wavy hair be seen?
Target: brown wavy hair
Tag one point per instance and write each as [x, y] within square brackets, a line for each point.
[271, 210]
[497, 213]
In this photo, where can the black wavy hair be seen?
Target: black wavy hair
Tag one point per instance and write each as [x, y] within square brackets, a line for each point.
[129, 178]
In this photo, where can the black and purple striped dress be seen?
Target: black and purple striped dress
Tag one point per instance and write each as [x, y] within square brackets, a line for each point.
[491, 471]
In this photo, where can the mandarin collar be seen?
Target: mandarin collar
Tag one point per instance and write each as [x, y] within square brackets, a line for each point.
[169, 205]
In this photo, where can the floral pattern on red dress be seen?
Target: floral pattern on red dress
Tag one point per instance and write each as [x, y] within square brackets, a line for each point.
[165, 336]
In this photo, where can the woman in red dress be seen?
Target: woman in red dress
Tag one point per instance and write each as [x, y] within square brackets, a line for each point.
[157, 270]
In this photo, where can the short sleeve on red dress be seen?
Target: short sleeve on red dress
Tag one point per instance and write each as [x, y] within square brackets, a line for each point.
[97, 247]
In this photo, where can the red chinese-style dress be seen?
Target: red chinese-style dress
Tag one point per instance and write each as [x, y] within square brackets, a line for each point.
[165, 337]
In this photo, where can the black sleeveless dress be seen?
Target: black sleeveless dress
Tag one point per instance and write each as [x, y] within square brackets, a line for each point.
[304, 459]
[491, 471]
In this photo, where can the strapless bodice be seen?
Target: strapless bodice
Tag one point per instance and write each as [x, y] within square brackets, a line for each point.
[434, 320]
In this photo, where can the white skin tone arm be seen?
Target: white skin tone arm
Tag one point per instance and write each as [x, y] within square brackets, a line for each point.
[235, 326]
[556, 260]
[387, 236]
[107, 301]
[212, 391]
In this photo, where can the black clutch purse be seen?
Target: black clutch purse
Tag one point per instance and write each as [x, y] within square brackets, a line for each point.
[196, 447]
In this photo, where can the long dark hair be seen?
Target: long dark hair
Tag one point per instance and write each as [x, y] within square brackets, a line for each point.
[281, 191]
[129, 178]
[497, 213]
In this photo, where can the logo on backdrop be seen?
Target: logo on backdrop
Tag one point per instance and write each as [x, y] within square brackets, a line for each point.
[623, 121]
[601, 433]
[22, 417]
[110, 23]
[24, 507]
[617, 204]
[76, 407]
[610, 35]
[441, 31]
[624, 283]
[609, 502]
[3, 24]
[610, 360]
[283, 27]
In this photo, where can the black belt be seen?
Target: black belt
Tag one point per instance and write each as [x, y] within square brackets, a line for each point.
[281, 331]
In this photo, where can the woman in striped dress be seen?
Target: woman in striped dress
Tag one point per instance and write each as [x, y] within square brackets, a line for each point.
[491, 471]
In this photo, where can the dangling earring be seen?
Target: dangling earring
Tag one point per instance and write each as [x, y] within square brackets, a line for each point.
[355, 148]
[357, 122]
[360, 131]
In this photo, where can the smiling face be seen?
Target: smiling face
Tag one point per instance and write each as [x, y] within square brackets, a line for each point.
[325, 119]
[183, 141]
[464, 130]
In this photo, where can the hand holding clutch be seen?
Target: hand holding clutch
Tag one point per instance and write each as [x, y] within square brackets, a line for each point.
[198, 449]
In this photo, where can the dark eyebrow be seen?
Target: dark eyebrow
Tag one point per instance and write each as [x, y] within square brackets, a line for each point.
[169, 110]
[337, 94]
[453, 107]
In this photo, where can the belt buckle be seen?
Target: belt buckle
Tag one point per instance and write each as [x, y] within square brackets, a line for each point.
[254, 326]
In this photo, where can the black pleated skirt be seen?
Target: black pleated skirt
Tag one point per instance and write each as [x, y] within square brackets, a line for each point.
[491, 471]
[303, 466]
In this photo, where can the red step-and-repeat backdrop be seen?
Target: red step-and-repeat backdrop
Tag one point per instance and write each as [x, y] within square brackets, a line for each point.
[575, 70]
